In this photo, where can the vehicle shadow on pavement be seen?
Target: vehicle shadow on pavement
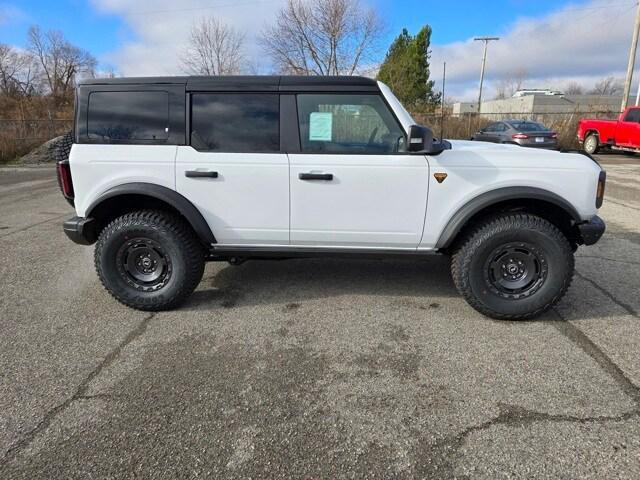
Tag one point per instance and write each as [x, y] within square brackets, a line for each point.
[260, 282]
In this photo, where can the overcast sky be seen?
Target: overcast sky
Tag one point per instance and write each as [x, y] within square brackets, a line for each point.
[554, 41]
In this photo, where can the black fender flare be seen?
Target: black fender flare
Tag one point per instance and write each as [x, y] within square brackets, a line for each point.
[492, 197]
[173, 198]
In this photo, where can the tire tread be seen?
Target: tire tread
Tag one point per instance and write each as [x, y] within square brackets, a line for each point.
[462, 257]
[189, 245]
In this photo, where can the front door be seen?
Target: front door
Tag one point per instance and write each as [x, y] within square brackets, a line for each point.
[353, 184]
[233, 171]
[628, 131]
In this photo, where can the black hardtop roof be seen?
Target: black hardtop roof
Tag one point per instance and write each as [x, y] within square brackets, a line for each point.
[248, 83]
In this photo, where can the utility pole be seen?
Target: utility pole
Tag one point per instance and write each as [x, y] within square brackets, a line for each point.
[486, 41]
[632, 60]
[444, 82]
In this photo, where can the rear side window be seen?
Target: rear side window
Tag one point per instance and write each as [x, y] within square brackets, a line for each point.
[128, 117]
[230, 122]
[529, 127]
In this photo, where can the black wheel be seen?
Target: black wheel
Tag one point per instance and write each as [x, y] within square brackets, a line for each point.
[149, 260]
[514, 267]
[591, 143]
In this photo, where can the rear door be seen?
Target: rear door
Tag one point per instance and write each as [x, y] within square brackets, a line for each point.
[233, 170]
[126, 133]
[353, 184]
[628, 131]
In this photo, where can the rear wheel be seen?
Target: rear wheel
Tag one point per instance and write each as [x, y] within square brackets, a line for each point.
[591, 144]
[514, 267]
[149, 260]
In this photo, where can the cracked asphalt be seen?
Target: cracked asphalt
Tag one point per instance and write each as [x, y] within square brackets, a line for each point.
[312, 368]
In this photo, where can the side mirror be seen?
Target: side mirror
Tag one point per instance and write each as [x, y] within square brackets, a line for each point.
[420, 139]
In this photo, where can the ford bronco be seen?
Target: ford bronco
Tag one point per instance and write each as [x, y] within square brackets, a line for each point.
[168, 173]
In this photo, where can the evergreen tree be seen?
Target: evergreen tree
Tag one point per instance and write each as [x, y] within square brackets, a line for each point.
[406, 70]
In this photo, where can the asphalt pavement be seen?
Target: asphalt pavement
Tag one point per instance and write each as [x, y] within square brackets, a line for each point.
[312, 368]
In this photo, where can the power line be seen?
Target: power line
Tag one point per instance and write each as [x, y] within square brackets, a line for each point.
[195, 9]
[601, 7]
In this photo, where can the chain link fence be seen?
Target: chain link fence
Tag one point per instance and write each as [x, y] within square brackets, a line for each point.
[18, 137]
[464, 125]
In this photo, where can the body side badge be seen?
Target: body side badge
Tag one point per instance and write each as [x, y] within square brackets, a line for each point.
[440, 177]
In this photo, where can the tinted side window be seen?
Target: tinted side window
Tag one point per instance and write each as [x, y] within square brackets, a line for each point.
[633, 116]
[348, 124]
[231, 122]
[126, 117]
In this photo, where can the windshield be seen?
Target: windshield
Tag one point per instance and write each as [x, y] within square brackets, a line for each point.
[403, 116]
[529, 127]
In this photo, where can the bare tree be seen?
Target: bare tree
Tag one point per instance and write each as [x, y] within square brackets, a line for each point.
[61, 62]
[17, 72]
[214, 48]
[608, 86]
[322, 37]
[9, 68]
[574, 88]
[511, 83]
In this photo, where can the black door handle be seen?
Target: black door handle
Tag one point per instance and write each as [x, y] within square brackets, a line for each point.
[316, 176]
[200, 174]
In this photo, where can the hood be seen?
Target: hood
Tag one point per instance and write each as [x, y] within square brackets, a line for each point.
[484, 146]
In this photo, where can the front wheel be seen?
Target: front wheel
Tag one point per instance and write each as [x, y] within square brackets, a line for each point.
[514, 267]
[149, 260]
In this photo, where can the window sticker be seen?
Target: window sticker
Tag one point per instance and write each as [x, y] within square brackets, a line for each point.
[320, 126]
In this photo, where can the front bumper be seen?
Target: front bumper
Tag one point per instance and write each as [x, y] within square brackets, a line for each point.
[592, 230]
[81, 230]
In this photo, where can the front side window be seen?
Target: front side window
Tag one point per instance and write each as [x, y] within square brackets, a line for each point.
[232, 122]
[126, 117]
[633, 116]
[348, 124]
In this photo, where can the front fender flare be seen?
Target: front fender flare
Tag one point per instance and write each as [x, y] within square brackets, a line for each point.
[477, 204]
[171, 197]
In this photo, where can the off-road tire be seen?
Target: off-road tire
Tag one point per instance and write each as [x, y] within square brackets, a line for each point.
[475, 281]
[591, 144]
[182, 254]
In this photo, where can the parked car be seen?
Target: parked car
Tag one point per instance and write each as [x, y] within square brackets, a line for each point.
[622, 134]
[518, 132]
[167, 173]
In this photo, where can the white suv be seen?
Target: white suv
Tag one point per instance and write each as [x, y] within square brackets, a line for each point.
[167, 173]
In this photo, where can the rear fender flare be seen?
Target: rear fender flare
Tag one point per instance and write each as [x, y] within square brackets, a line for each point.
[164, 194]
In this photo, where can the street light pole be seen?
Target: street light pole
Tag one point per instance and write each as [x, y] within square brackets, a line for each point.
[486, 41]
[632, 60]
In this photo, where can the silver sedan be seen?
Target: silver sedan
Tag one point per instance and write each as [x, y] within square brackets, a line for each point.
[518, 132]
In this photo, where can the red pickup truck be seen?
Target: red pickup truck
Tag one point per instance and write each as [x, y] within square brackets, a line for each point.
[621, 134]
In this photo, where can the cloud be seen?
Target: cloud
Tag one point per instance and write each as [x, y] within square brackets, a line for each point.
[581, 43]
[161, 27]
[578, 43]
[11, 14]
